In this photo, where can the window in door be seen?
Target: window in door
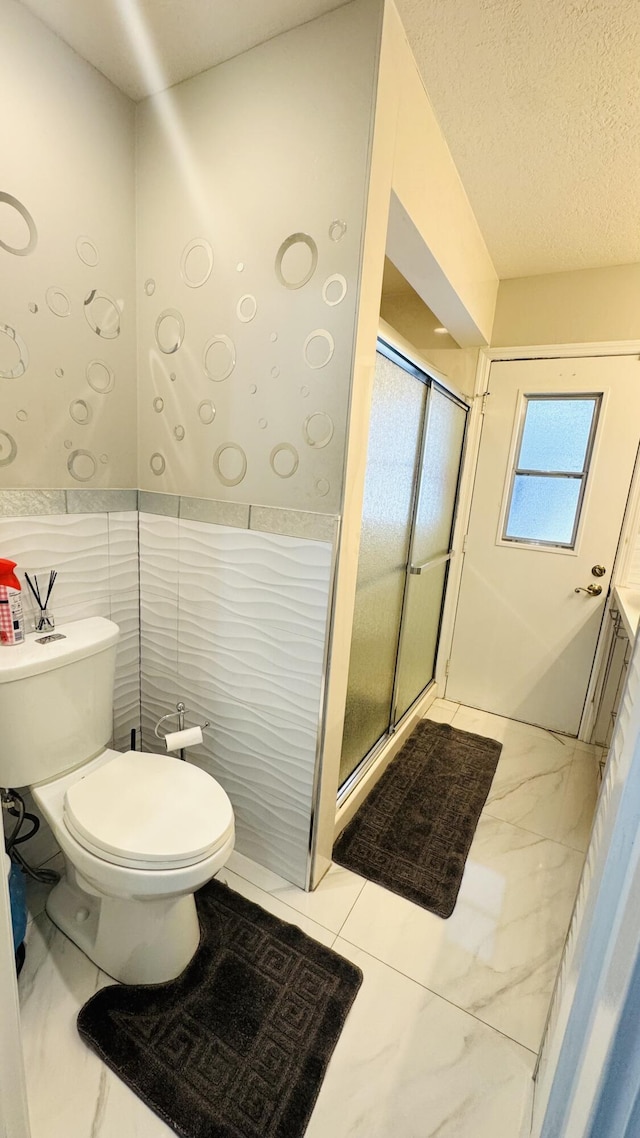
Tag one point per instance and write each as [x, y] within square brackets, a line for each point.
[551, 465]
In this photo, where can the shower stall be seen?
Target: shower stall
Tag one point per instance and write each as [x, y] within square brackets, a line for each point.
[416, 442]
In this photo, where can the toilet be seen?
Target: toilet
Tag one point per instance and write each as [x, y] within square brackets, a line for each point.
[140, 832]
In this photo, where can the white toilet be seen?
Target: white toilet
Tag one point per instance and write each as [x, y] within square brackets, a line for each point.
[139, 832]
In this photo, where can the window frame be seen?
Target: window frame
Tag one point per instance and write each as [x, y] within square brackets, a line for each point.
[513, 470]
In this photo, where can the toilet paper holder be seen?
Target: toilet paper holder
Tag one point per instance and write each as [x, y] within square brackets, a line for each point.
[178, 714]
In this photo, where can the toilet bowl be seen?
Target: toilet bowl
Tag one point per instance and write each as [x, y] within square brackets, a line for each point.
[140, 832]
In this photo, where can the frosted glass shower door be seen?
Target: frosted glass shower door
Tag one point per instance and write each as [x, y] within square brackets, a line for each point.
[430, 547]
[397, 413]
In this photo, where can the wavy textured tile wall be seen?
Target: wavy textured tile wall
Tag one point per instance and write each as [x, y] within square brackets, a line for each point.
[234, 622]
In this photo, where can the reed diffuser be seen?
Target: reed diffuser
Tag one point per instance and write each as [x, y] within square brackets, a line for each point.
[41, 585]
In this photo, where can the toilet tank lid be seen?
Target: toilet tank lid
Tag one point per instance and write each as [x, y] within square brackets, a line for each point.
[42, 652]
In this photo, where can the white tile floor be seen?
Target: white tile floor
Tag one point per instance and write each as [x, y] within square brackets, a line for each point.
[442, 1037]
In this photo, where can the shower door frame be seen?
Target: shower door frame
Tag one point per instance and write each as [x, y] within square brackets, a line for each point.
[430, 377]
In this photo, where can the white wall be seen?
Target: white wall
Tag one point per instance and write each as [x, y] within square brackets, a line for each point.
[433, 237]
[587, 306]
[243, 158]
[67, 141]
[410, 317]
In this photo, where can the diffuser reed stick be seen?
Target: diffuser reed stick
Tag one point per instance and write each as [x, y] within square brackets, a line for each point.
[45, 618]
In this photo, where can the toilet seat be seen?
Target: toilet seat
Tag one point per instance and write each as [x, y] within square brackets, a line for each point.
[148, 811]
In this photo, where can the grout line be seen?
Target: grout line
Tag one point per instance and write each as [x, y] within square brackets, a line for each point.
[359, 895]
[292, 886]
[439, 996]
[519, 724]
[534, 833]
[291, 908]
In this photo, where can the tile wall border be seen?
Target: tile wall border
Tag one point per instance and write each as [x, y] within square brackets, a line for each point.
[263, 519]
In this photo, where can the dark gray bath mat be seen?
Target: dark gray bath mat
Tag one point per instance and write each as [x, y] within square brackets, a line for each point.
[413, 833]
[238, 1045]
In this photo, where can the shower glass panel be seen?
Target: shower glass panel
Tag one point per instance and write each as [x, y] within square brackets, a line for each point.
[397, 412]
[430, 547]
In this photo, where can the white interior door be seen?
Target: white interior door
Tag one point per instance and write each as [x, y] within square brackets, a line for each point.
[559, 443]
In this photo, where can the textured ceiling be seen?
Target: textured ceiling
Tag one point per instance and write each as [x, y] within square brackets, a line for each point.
[539, 101]
[187, 36]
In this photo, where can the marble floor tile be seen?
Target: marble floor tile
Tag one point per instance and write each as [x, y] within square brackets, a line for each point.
[273, 905]
[577, 811]
[589, 748]
[329, 904]
[410, 1065]
[442, 711]
[121, 1114]
[71, 1093]
[531, 785]
[63, 1077]
[546, 785]
[498, 954]
[483, 723]
[506, 730]
[439, 1041]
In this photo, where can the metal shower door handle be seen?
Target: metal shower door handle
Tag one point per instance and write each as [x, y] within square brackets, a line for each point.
[416, 570]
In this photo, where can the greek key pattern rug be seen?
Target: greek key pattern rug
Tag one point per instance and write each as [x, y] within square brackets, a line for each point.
[238, 1045]
[413, 832]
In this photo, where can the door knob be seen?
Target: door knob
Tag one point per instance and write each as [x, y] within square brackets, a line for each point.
[592, 590]
[598, 570]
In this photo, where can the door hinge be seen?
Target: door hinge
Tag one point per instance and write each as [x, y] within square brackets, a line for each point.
[483, 405]
[465, 541]
[446, 667]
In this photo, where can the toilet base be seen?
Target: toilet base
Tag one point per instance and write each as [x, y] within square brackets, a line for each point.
[135, 942]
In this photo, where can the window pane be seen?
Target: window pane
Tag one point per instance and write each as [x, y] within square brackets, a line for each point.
[543, 509]
[556, 434]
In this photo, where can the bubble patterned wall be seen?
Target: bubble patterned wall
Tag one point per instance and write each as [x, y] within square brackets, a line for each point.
[249, 257]
[248, 253]
[67, 269]
[215, 361]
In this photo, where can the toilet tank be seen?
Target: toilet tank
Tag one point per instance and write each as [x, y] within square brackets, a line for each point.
[56, 700]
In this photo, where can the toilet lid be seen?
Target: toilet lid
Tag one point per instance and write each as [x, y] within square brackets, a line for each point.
[149, 810]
